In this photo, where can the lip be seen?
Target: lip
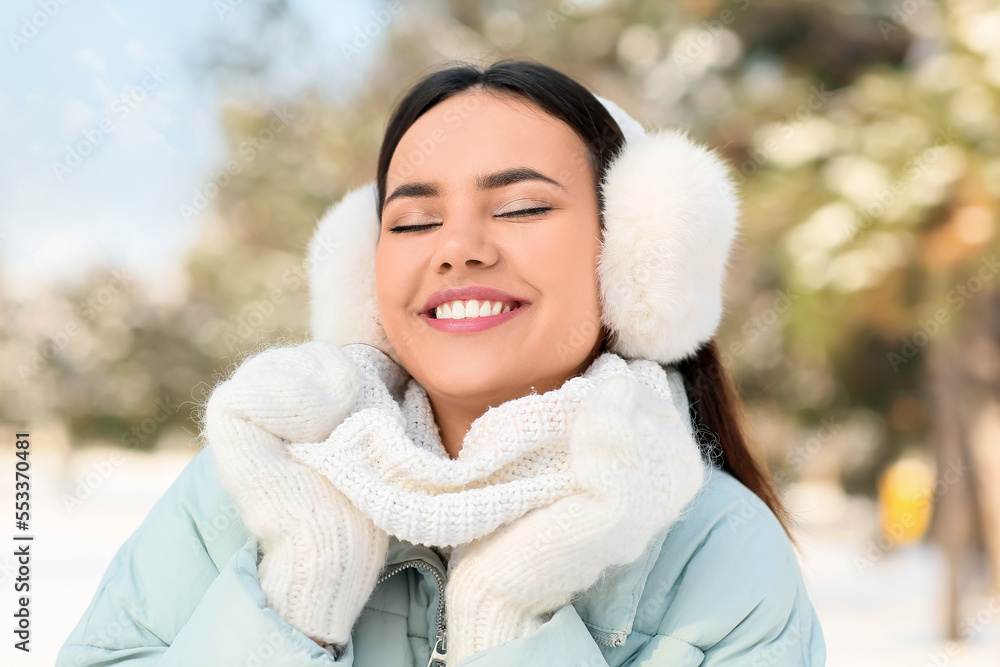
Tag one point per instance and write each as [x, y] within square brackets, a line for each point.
[466, 292]
[473, 324]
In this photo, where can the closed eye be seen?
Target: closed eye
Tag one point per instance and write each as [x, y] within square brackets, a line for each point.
[411, 228]
[523, 213]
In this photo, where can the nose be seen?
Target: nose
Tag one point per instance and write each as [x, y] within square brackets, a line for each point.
[465, 239]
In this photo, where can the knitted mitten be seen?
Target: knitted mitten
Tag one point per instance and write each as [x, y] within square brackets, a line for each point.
[636, 465]
[321, 556]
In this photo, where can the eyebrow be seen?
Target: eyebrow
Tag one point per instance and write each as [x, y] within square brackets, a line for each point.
[492, 181]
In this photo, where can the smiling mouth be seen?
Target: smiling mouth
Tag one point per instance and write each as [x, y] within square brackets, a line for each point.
[472, 309]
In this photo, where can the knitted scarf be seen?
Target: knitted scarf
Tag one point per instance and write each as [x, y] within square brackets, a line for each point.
[387, 457]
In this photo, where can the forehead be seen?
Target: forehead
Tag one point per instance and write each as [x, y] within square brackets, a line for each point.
[479, 130]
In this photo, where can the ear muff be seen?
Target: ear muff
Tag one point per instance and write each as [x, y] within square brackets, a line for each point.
[671, 217]
[343, 307]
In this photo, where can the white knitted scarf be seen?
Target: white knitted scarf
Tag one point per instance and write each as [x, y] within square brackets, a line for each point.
[387, 456]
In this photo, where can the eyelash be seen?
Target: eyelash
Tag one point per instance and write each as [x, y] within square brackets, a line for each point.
[513, 214]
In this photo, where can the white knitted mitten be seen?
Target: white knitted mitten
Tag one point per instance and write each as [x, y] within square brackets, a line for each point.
[636, 465]
[321, 556]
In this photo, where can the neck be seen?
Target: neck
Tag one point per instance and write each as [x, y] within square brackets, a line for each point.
[453, 421]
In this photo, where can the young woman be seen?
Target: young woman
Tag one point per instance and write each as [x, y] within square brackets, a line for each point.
[511, 441]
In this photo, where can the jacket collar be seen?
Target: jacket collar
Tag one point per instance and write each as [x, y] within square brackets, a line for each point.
[608, 608]
[400, 551]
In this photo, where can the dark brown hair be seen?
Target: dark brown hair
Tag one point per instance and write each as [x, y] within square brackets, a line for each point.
[716, 407]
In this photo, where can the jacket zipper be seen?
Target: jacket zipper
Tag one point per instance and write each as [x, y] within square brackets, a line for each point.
[615, 641]
[439, 648]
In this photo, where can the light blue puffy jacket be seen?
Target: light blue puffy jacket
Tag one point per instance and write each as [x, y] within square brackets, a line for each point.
[720, 587]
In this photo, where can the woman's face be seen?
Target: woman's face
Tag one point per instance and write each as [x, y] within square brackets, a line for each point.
[492, 195]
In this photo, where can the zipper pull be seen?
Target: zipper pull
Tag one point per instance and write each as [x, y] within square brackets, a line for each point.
[438, 653]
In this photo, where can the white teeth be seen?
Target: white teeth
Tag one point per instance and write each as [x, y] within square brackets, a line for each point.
[459, 310]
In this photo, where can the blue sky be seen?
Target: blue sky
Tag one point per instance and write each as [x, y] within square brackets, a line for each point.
[115, 80]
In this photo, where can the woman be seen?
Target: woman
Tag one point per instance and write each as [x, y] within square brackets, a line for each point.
[511, 441]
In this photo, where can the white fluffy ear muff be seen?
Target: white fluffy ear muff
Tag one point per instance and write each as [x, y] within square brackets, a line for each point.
[341, 264]
[671, 216]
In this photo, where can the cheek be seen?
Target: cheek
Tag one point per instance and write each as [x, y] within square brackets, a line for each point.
[581, 254]
[564, 268]
[583, 288]
[389, 277]
[393, 294]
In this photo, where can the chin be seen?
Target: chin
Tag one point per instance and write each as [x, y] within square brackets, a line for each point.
[465, 379]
